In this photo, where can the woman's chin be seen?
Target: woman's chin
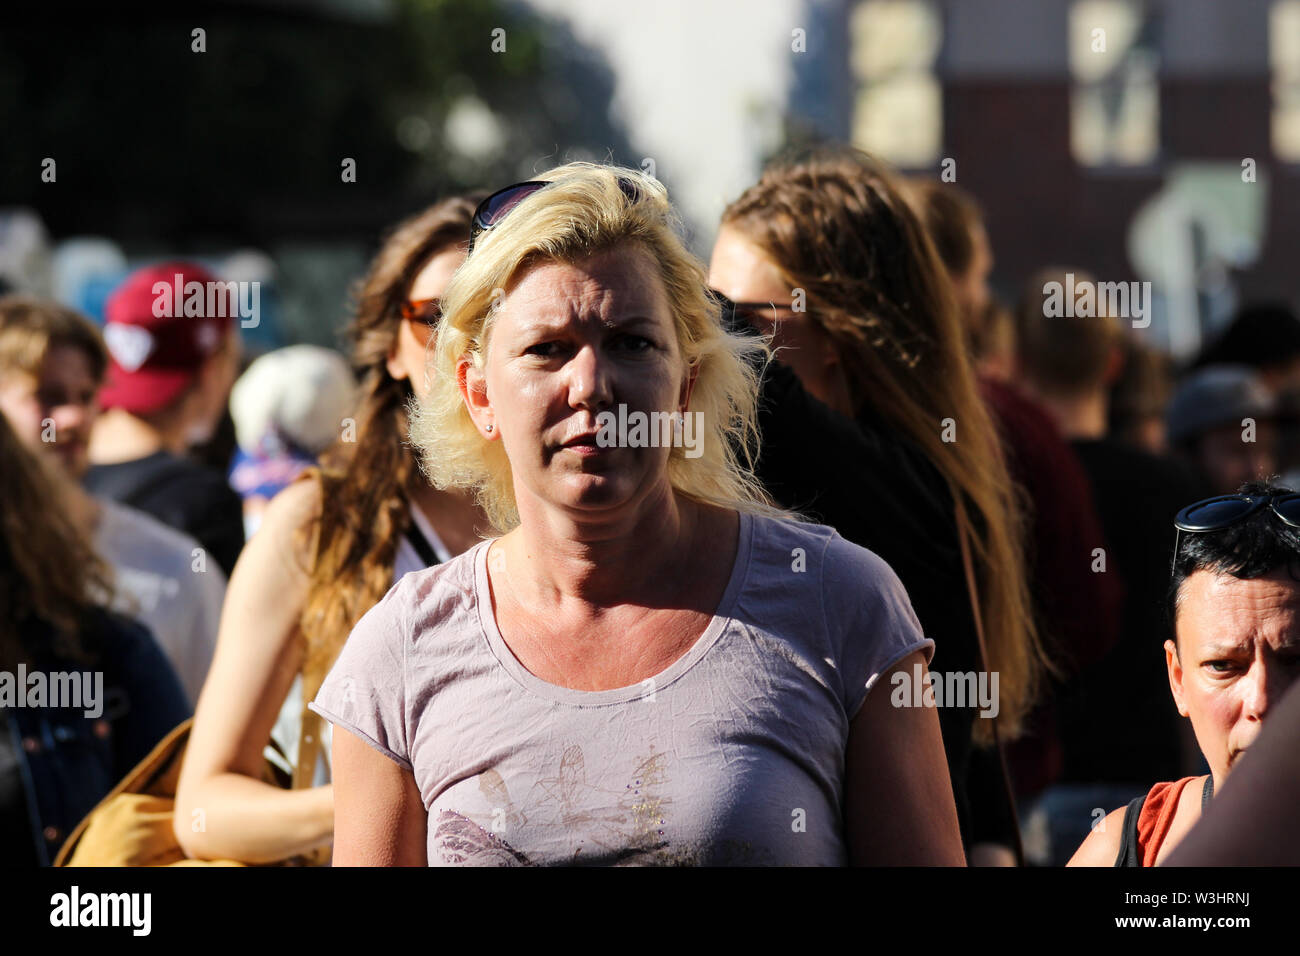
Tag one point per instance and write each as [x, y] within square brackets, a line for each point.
[596, 492]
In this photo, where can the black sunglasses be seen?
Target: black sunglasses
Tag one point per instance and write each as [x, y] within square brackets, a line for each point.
[497, 206]
[1223, 511]
[1215, 514]
[749, 317]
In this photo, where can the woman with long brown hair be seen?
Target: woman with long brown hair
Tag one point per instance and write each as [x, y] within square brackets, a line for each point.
[329, 547]
[824, 255]
[59, 757]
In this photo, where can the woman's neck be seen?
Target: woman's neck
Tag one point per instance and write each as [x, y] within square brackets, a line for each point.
[611, 559]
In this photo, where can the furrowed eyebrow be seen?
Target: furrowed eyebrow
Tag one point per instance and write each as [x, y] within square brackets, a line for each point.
[556, 325]
[1225, 650]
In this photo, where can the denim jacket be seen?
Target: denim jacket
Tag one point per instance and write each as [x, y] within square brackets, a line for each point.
[57, 763]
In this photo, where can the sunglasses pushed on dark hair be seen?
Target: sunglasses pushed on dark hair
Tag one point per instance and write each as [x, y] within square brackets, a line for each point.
[497, 206]
[1223, 511]
[1215, 514]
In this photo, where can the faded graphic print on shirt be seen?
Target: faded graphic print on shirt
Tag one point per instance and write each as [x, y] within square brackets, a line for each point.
[625, 828]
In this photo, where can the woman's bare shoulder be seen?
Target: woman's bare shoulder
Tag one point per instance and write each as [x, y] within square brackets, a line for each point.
[1101, 848]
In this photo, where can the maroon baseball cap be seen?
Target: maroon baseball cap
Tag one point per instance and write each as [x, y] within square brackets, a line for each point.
[160, 326]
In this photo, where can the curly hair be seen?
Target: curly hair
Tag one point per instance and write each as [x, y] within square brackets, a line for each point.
[365, 484]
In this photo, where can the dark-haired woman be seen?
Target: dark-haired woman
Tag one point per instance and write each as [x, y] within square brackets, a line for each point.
[329, 548]
[87, 693]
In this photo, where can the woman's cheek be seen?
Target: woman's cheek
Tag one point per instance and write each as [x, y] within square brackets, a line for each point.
[1218, 708]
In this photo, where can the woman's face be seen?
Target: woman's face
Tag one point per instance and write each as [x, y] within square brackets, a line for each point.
[742, 272]
[408, 358]
[1238, 651]
[570, 341]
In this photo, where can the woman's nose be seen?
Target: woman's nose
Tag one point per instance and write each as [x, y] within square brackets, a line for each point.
[1264, 682]
[68, 417]
[589, 379]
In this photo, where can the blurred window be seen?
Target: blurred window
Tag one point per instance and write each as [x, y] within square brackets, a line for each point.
[898, 103]
[1284, 59]
[1114, 97]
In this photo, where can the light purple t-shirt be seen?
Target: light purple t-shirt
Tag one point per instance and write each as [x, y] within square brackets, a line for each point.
[732, 755]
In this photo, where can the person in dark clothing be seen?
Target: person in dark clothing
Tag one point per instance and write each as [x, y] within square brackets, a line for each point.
[871, 422]
[85, 693]
[172, 366]
[179, 493]
[1069, 364]
[878, 490]
[1078, 610]
[1264, 336]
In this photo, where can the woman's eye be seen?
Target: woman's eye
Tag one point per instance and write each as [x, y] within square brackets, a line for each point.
[634, 343]
[543, 349]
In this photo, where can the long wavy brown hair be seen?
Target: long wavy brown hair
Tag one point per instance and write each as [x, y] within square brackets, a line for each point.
[48, 570]
[366, 483]
[835, 224]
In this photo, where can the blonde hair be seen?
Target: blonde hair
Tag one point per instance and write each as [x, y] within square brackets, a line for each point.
[582, 213]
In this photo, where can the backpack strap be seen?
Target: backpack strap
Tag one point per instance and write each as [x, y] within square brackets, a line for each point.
[1129, 850]
[421, 544]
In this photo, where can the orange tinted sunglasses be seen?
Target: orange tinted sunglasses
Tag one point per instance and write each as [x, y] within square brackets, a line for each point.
[428, 311]
[426, 314]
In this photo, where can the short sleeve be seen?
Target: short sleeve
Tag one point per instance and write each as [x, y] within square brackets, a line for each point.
[869, 619]
[365, 691]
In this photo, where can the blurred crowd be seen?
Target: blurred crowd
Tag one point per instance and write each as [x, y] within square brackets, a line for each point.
[143, 460]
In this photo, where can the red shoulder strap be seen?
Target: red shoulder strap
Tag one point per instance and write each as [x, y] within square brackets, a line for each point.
[1157, 816]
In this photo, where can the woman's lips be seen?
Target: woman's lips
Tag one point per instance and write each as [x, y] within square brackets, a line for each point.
[586, 447]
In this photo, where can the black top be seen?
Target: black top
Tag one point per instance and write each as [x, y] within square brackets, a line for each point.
[1117, 721]
[880, 491]
[181, 493]
[1128, 841]
[57, 763]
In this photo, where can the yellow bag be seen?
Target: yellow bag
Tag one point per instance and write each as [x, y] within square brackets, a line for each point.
[132, 825]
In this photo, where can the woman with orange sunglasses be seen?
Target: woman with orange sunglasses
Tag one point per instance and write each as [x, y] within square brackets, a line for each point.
[329, 547]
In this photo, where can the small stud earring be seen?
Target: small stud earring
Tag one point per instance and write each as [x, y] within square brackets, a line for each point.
[489, 427]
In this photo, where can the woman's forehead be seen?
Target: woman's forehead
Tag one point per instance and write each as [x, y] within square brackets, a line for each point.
[609, 285]
[1224, 608]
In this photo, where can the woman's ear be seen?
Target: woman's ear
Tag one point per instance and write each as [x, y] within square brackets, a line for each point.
[684, 396]
[1175, 669]
[472, 384]
[395, 367]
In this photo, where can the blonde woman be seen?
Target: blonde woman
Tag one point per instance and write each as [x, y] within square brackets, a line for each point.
[651, 664]
[328, 548]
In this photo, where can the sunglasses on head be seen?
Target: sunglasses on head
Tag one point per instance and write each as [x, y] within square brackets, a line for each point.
[497, 206]
[1223, 511]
